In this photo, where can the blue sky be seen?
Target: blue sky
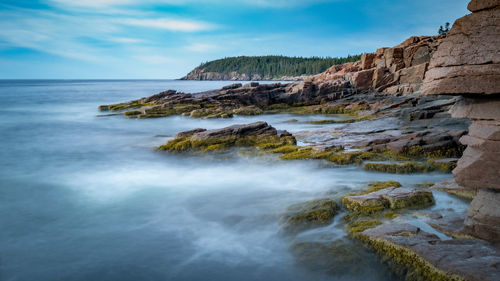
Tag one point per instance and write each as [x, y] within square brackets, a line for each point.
[116, 39]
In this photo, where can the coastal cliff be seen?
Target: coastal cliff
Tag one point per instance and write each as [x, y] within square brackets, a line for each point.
[409, 107]
[467, 64]
[202, 74]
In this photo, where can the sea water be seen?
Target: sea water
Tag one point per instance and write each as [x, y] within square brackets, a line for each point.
[84, 197]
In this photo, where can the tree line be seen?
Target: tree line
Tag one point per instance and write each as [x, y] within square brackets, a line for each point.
[275, 66]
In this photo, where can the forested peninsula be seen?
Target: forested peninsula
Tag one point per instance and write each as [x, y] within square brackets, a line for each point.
[264, 67]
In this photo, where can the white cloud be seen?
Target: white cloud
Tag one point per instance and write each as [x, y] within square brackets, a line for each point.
[92, 3]
[169, 24]
[284, 3]
[117, 3]
[125, 40]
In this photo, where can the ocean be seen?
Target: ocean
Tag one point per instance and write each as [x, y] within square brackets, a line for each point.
[84, 197]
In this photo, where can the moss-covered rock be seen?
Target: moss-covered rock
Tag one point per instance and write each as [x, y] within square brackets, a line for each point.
[389, 198]
[257, 135]
[361, 225]
[304, 109]
[417, 151]
[399, 168]
[132, 113]
[337, 258]
[334, 155]
[248, 110]
[364, 204]
[378, 185]
[414, 254]
[211, 112]
[285, 149]
[452, 187]
[443, 165]
[125, 105]
[310, 214]
[411, 167]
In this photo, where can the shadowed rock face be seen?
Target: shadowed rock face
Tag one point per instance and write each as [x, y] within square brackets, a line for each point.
[483, 216]
[467, 63]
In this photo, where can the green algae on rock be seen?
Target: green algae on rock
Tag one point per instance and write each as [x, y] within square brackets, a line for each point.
[411, 167]
[414, 254]
[417, 151]
[361, 225]
[331, 121]
[334, 155]
[453, 188]
[248, 110]
[378, 185]
[398, 168]
[125, 105]
[336, 258]
[258, 135]
[389, 198]
[310, 214]
[401, 258]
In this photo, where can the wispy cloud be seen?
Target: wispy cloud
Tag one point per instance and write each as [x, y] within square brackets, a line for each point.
[126, 40]
[169, 24]
[92, 3]
[284, 3]
[166, 38]
[118, 3]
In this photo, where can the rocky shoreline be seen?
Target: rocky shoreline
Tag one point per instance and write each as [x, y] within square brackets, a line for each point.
[408, 110]
[203, 75]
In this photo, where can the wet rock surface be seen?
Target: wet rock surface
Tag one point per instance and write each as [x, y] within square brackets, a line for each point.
[452, 187]
[420, 255]
[258, 134]
[451, 224]
[306, 215]
[389, 198]
[340, 258]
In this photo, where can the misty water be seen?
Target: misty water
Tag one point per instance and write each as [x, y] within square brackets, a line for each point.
[88, 198]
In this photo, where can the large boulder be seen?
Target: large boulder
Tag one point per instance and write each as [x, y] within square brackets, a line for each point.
[483, 216]
[468, 63]
[468, 60]
[478, 5]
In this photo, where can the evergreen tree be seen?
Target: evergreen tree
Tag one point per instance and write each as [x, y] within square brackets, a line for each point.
[444, 31]
[446, 28]
[274, 66]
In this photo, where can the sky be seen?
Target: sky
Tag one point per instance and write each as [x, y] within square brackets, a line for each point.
[165, 39]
